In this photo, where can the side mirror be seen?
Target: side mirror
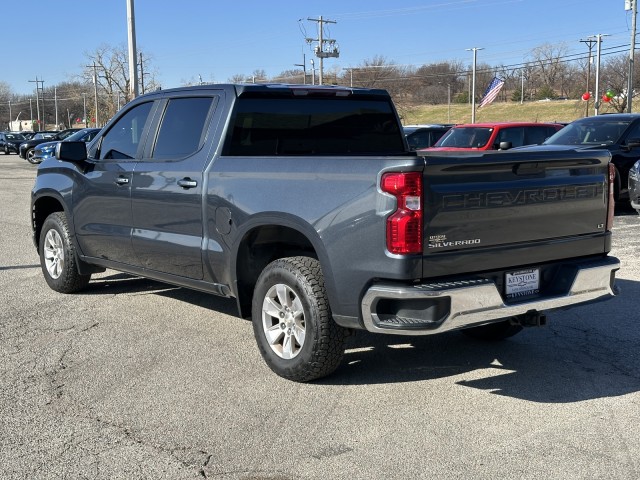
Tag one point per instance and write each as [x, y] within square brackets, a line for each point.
[633, 142]
[71, 151]
[505, 146]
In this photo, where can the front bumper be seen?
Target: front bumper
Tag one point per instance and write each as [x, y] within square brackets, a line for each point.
[432, 308]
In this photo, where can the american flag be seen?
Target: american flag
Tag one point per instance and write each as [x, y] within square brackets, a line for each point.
[492, 91]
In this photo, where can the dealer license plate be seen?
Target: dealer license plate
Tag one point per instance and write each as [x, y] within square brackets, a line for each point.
[522, 283]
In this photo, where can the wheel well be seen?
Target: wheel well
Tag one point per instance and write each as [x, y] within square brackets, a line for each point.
[42, 208]
[260, 247]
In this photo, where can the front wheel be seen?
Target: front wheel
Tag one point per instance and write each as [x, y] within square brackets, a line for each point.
[57, 256]
[292, 321]
[31, 153]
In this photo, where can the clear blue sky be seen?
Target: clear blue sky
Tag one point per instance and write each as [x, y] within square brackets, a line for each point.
[217, 39]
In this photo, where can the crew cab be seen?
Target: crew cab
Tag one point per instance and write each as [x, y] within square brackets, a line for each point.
[305, 205]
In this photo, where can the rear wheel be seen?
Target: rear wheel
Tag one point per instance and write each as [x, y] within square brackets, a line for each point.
[57, 256]
[494, 331]
[6, 150]
[292, 321]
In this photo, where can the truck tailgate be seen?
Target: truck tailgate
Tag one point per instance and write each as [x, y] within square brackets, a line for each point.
[523, 206]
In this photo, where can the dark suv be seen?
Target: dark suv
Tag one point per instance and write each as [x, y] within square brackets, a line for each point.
[619, 133]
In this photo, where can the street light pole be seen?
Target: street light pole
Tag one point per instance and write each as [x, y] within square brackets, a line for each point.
[598, 38]
[632, 52]
[473, 83]
[133, 71]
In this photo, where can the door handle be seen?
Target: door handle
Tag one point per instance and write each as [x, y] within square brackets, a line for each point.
[122, 181]
[187, 183]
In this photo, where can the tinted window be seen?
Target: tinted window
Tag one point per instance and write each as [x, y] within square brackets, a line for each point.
[313, 126]
[123, 138]
[182, 129]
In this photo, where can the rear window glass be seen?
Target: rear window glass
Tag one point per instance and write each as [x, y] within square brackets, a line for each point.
[467, 137]
[313, 126]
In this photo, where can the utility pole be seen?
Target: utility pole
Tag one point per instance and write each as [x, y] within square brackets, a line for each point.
[319, 50]
[304, 68]
[55, 102]
[142, 74]
[473, 82]
[589, 42]
[133, 71]
[95, 89]
[9, 115]
[37, 82]
[632, 51]
[84, 108]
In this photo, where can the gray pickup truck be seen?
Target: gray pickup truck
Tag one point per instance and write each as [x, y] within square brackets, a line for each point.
[305, 205]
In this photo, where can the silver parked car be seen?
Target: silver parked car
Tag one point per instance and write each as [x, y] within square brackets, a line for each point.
[634, 186]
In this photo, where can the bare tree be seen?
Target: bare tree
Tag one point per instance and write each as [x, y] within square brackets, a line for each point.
[549, 65]
[112, 72]
[614, 78]
[374, 73]
[434, 82]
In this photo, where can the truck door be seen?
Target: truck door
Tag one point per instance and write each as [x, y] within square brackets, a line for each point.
[102, 195]
[167, 187]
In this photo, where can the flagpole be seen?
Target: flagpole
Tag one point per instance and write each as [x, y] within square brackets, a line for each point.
[473, 83]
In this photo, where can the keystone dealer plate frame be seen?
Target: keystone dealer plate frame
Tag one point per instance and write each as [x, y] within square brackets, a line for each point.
[522, 283]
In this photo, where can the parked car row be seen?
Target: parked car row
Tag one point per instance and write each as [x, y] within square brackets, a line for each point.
[27, 149]
[47, 149]
[36, 147]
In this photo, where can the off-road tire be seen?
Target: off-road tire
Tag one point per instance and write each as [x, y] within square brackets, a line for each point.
[290, 302]
[57, 256]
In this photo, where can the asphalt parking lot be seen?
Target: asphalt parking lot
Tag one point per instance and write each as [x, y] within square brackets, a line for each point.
[136, 379]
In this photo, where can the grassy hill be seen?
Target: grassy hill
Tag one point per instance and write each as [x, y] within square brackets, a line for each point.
[544, 111]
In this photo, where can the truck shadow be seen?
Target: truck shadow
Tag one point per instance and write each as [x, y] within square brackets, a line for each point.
[123, 283]
[584, 353]
[587, 352]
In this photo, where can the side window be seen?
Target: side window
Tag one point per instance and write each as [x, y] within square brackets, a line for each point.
[634, 133]
[182, 128]
[514, 135]
[123, 138]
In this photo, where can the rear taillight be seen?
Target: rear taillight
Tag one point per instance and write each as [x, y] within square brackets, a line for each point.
[404, 226]
[612, 202]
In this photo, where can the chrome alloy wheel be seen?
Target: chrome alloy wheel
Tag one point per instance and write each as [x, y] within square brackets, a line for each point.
[283, 321]
[54, 253]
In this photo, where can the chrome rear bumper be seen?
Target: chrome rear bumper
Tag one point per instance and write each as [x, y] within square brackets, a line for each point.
[426, 309]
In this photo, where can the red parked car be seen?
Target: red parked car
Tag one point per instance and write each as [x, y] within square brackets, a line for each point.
[495, 136]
